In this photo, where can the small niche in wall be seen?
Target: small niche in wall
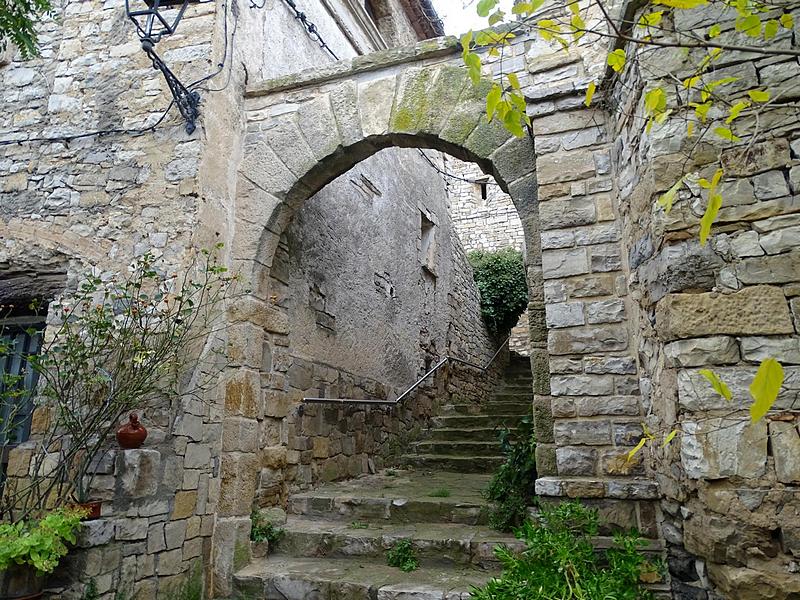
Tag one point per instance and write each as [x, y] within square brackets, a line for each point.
[427, 251]
[481, 189]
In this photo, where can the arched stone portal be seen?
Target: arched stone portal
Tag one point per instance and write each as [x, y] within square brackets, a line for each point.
[304, 131]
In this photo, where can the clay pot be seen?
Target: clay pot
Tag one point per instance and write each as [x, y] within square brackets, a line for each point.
[132, 434]
[93, 508]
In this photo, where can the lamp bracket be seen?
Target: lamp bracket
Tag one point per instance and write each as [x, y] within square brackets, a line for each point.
[187, 101]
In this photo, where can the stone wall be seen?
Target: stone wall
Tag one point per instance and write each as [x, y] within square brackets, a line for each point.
[731, 489]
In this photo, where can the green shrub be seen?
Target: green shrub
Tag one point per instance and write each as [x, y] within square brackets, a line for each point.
[403, 556]
[560, 562]
[40, 543]
[511, 489]
[504, 292]
[262, 530]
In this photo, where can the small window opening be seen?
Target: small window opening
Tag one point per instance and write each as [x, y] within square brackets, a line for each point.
[428, 242]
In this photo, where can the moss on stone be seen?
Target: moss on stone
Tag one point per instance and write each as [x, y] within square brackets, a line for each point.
[413, 101]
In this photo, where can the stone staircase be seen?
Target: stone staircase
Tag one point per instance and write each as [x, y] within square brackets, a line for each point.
[337, 536]
[464, 437]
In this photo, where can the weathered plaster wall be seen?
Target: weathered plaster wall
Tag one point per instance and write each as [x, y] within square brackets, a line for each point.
[731, 496]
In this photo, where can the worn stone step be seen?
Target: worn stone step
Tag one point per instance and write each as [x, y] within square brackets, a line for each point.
[287, 578]
[453, 463]
[466, 421]
[435, 544]
[470, 448]
[493, 406]
[398, 496]
[487, 434]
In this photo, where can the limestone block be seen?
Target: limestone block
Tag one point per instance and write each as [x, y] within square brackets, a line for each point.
[605, 258]
[568, 120]
[564, 314]
[696, 394]
[586, 433]
[632, 490]
[560, 238]
[514, 160]
[138, 472]
[617, 365]
[198, 456]
[696, 352]
[724, 447]
[131, 529]
[557, 214]
[746, 244]
[95, 533]
[769, 185]
[175, 534]
[565, 166]
[785, 350]
[170, 562]
[597, 234]
[781, 268]
[785, 442]
[781, 240]
[581, 385]
[375, 100]
[608, 338]
[155, 538]
[318, 126]
[262, 166]
[184, 504]
[741, 313]
[771, 154]
[344, 104]
[605, 311]
[746, 583]
[243, 394]
[576, 460]
[563, 263]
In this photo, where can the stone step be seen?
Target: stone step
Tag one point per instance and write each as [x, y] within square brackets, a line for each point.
[454, 463]
[398, 496]
[467, 421]
[286, 578]
[477, 434]
[435, 544]
[494, 406]
[470, 448]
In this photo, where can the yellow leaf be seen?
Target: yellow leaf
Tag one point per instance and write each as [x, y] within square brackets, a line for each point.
[765, 388]
[714, 204]
[651, 19]
[716, 178]
[655, 101]
[718, 385]
[616, 60]
[735, 110]
[579, 26]
[669, 438]
[701, 110]
[714, 31]
[787, 21]
[492, 100]
[726, 134]
[667, 199]
[494, 51]
[513, 80]
[690, 129]
[690, 82]
[574, 8]
[684, 4]
[771, 29]
[749, 25]
[590, 94]
[759, 95]
[466, 41]
[638, 447]
[547, 27]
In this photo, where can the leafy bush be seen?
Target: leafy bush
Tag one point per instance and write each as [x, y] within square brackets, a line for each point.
[403, 556]
[560, 562]
[511, 489]
[504, 292]
[39, 543]
[262, 530]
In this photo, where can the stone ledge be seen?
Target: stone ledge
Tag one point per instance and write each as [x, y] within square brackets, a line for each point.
[582, 487]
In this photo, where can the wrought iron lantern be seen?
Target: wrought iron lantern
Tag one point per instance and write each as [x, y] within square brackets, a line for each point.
[155, 19]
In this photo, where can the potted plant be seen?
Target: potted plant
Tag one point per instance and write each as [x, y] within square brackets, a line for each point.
[31, 549]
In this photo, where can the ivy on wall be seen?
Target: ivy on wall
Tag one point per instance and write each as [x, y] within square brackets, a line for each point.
[500, 277]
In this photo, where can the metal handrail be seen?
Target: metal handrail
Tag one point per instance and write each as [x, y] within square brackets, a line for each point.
[419, 381]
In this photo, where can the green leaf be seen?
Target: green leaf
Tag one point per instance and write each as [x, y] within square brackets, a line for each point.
[682, 4]
[667, 199]
[616, 60]
[655, 101]
[771, 29]
[727, 134]
[473, 62]
[578, 25]
[714, 31]
[718, 385]
[485, 7]
[736, 109]
[513, 80]
[496, 17]
[669, 438]
[765, 388]
[749, 25]
[590, 94]
[492, 99]
[547, 28]
[787, 21]
[701, 110]
[714, 204]
[466, 42]
[651, 19]
[759, 95]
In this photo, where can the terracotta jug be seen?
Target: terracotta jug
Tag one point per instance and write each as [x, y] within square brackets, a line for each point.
[132, 434]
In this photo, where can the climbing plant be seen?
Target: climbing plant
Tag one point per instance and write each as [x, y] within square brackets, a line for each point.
[500, 277]
[18, 19]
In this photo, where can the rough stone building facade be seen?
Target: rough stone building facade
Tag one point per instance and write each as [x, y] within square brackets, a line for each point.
[625, 305]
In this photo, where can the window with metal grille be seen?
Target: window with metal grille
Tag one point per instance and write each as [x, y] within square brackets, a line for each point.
[20, 337]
